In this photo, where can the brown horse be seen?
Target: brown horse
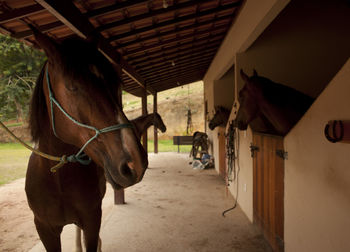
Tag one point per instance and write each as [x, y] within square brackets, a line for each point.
[142, 123]
[220, 117]
[75, 109]
[269, 107]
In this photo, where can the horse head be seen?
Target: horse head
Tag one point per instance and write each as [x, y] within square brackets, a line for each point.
[81, 90]
[248, 108]
[220, 117]
[158, 122]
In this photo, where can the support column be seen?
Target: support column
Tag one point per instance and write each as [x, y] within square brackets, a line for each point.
[155, 105]
[144, 112]
[119, 195]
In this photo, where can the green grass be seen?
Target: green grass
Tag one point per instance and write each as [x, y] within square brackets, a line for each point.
[13, 162]
[167, 146]
[14, 124]
[14, 158]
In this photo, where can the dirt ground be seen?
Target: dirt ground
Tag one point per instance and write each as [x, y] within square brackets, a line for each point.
[175, 208]
[17, 230]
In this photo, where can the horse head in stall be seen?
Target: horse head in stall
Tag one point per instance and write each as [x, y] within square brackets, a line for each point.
[76, 108]
[269, 107]
[142, 123]
[220, 117]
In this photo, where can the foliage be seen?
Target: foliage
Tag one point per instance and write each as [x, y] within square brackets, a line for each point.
[19, 67]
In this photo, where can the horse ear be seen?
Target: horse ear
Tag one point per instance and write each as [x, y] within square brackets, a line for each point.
[255, 73]
[45, 42]
[244, 76]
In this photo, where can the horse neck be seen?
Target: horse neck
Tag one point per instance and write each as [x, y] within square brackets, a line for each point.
[142, 123]
[280, 118]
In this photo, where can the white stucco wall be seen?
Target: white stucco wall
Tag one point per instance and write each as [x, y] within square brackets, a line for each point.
[317, 175]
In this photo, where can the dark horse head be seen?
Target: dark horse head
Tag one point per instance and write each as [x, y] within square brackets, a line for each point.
[269, 107]
[158, 122]
[220, 118]
[87, 87]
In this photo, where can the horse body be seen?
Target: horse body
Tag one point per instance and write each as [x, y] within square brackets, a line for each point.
[142, 123]
[269, 107]
[75, 109]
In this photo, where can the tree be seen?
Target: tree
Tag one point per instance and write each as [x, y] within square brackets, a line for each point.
[19, 67]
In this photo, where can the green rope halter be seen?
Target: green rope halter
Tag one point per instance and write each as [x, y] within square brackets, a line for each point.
[79, 157]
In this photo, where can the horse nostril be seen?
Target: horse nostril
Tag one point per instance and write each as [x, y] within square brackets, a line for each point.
[126, 170]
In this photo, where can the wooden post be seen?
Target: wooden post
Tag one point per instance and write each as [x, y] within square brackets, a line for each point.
[155, 105]
[144, 112]
[119, 195]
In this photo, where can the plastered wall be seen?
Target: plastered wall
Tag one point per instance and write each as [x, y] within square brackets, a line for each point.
[305, 46]
[317, 175]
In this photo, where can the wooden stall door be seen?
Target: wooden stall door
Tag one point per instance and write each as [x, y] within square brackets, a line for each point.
[222, 152]
[268, 188]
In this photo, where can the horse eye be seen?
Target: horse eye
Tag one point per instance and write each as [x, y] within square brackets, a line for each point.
[71, 87]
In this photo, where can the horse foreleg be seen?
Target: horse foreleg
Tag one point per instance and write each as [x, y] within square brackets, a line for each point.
[50, 236]
[78, 246]
[91, 229]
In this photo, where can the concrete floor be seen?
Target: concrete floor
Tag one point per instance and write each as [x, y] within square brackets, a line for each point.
[175, 208]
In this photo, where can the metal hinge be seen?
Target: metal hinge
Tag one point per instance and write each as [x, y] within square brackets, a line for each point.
[252, 149]
[282, 154]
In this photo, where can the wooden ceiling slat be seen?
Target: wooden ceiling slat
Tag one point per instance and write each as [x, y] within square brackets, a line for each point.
[146, 68]
[172, 32]
[177, 40]
[20, 13]
[175, 55]
[71, 16]
[42, 28]
[176, 48]
[178, 72]
[176, 21]
[196, 62]
[114, 8]
[150, 14]
[182, 80]
[180, 61]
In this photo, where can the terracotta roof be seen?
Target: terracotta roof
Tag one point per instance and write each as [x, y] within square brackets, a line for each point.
[159, 44]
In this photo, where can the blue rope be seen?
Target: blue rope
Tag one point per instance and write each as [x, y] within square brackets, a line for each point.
[80, 156]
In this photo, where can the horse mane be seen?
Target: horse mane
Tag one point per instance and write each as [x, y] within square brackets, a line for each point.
[38, 111]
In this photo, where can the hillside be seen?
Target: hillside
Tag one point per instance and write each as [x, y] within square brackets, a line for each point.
[172, 107]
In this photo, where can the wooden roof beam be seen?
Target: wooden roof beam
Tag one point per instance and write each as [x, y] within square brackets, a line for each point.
[180, 61]
[150, 14]
[173, 55]
[120, 6]
[202, 67]
[20, 13]
[197, 62]
[70, 15]
[217, 32]
[172, 32]
[175, 21]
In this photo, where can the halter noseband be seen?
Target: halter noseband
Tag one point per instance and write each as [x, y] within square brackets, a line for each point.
[80, 155]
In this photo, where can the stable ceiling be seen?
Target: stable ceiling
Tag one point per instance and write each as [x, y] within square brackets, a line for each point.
[158, 44]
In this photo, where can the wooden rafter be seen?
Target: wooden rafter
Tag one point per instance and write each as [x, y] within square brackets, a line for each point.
[173, 22]
[177, 40]
[150, 14]
[67, 13]
[194, 26]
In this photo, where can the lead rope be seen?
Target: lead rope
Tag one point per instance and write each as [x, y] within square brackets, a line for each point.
[62, 160]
